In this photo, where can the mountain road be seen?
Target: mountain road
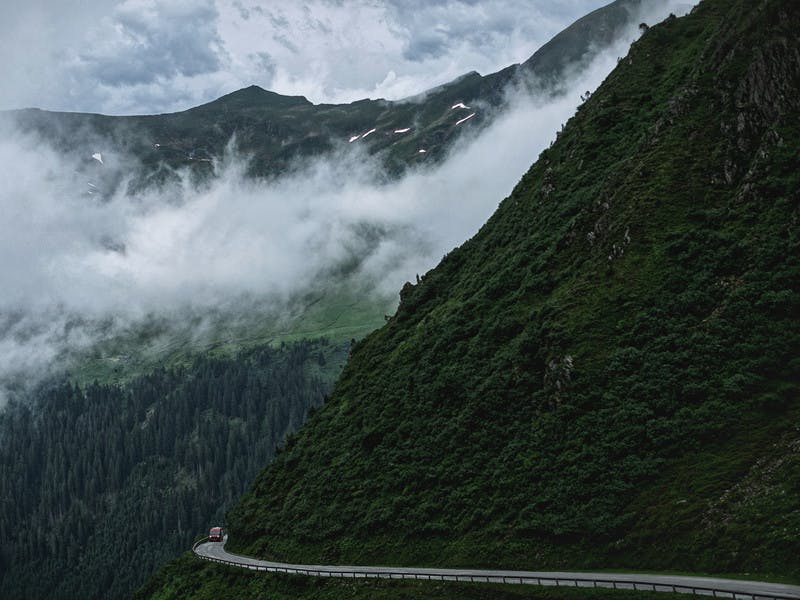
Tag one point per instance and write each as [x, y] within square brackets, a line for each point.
[707, 586]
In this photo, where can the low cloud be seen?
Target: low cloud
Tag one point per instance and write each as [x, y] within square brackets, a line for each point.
[76, 269]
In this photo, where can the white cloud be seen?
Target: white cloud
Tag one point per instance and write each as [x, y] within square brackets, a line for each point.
[75, 270]
[71, 263]
[353, 50]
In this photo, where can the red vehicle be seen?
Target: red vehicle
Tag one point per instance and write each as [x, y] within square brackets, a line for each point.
[215, 535]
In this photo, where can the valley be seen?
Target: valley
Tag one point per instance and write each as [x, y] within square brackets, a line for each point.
[206, 324]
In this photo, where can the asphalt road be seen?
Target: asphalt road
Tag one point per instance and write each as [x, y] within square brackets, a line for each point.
[730, 588]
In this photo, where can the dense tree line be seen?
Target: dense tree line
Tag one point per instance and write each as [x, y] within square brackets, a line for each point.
[100, 485]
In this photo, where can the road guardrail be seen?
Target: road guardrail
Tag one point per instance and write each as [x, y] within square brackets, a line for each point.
[453, 575]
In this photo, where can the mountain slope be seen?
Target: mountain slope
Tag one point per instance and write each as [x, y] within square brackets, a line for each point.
[606, 375]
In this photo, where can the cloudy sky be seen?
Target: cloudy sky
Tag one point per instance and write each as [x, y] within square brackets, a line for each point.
[149, 56]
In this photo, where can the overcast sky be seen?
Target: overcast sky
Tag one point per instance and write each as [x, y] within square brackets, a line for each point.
[150, 56]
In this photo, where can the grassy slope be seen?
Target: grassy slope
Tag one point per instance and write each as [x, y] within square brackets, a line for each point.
[337, 314]
[606, 375]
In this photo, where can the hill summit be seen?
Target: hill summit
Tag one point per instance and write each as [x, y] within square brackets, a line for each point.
[253, 97]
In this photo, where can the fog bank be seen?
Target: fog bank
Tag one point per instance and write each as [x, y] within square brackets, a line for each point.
[76, 269]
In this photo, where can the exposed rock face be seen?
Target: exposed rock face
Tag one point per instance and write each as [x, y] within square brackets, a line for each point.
[771, 85]
[768, 90]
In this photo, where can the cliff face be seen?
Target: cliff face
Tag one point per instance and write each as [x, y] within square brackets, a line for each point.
[606, 375]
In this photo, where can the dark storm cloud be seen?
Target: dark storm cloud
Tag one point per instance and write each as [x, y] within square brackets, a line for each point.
[435, 28]
[278, 21]
[284, 41]
[153, 41]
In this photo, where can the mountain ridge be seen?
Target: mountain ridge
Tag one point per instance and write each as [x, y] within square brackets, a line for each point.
[275, 129]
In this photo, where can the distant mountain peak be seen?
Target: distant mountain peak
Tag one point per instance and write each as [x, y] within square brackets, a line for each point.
[255, 96]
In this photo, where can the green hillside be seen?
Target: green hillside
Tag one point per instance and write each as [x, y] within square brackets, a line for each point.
[606, 375]
[336, 314]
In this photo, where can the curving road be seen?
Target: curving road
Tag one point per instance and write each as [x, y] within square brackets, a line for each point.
[709, 586]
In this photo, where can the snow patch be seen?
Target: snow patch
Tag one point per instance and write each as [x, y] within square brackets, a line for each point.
[467, 118]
